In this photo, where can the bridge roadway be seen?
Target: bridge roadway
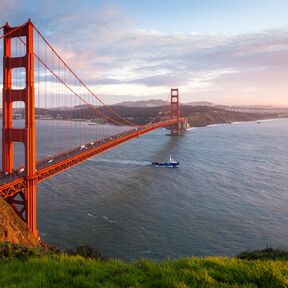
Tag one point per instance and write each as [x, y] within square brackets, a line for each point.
[13, 183]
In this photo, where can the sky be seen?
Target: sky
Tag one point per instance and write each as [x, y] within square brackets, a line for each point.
[232, 52]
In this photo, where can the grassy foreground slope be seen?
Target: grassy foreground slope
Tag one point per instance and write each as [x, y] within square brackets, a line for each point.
[75, 271]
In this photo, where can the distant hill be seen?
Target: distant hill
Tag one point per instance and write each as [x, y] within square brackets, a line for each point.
[199, 103]
[144, 103]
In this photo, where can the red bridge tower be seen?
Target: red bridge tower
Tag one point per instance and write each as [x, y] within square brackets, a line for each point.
[24, 202]
[175, 111]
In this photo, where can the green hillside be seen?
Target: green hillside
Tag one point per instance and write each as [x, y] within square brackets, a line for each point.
[33, 268]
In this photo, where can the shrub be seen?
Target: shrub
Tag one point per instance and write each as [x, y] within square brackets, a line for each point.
[264, 254]
[11, 250]
[86, 251]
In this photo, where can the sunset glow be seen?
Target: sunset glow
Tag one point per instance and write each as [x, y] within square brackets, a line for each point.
[234, 54]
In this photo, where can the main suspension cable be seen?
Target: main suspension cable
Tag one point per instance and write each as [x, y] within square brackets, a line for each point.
[76, 94]
[90, 91]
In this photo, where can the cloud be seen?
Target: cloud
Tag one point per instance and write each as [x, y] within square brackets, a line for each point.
[111, 53]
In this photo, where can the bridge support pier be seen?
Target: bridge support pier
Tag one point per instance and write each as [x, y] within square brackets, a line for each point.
[30, 207]
[24, 202]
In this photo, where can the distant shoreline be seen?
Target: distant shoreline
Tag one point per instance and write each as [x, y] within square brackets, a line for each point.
[197, 117]
[237, 122]
[215, 117]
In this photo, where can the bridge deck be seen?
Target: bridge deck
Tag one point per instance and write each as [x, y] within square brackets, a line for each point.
[12, 184]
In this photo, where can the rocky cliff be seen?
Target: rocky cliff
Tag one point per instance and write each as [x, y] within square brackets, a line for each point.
[13, 229]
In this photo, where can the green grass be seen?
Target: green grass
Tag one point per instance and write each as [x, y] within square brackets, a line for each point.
[27, 267]
[60, 270]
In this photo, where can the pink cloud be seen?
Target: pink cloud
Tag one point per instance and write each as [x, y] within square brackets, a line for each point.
[107, 48]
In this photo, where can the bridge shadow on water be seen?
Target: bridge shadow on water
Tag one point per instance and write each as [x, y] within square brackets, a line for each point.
[134, 209]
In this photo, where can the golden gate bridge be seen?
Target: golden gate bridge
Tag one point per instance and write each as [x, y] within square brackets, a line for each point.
[36, 78]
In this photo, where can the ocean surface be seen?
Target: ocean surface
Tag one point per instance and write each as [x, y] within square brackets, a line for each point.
[229, 194]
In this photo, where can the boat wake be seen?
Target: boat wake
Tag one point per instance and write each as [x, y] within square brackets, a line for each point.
[122, 162]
